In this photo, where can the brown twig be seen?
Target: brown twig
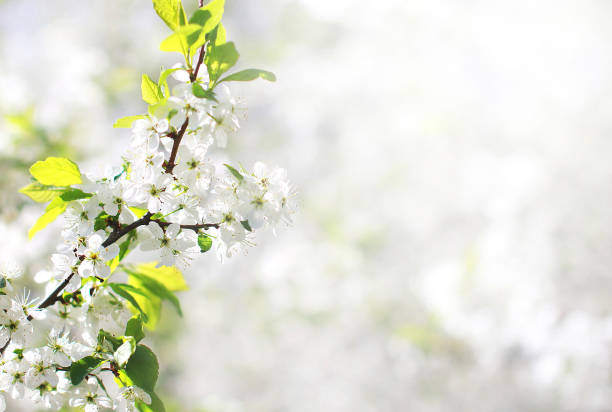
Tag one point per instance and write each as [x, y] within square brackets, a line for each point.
[175, 146]
[195, 228]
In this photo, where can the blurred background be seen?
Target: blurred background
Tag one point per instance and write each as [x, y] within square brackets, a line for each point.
[453, 246]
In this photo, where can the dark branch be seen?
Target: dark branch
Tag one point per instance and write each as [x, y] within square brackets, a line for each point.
[175, 146]
[195, 228]
[117, 234]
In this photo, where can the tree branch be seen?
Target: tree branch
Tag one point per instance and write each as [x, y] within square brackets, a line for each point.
[175, 145]
[195, 228]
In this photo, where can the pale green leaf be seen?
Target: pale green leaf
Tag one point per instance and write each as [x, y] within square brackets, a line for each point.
[53, 210]
[169, 276]
[234, 172]
[130, 293]
[56, 171]
[221, 59]
[151, 93]
[248, 75]
[171, 12]
[41, 193]
[182, 40]
[126, 122]
[139, 212]
[157, 289]
[208, 18]
[151, 305]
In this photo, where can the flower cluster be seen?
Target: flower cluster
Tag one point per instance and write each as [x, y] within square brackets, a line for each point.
[172, 196]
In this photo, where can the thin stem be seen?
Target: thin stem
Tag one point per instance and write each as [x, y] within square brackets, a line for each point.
[195, 228]
[175, 146]
[116, 234]
[119, 233]
[54, 296]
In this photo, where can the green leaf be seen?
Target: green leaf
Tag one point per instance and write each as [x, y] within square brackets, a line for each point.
[245, 224]
[235, 172]
[139, 212]
[53, 210]
[150, 304]
[209, 16]
[126, 122]
[143, 368]
[74, 194]
[134, 328]
[205, 242]
[56, 171]
[156, 405]
[169, 276]
[114, 341]
[100, 222]
[123, 251]
[41, 193]
[127, 292]
[171, 12]
[217, 36]
[248, 75]
[163, 80]
[151, 93]
[221, 59]
[80, 368]
[199, 91]
[182, 40]
[157, 289]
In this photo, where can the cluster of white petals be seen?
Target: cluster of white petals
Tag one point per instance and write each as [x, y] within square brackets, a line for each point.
[172, 190]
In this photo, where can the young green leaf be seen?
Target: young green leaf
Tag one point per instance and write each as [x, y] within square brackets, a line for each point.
[182, 40]
[248, 75]
[157, 289]
[245, 224]
[208, 16]
[169, 276]
[221, 59]
[139, 212]
[41, 193]
[134, 328]
[126, 122]
[53, 210]
[127, 292]
[150, 304]
[82, 367]
[124, 248]
[151, 93]
[163, 80]
[199, 91]
[205, 242]
[235, 172]
[56, 171]
[74, 194]
[171, 12]
[143, 368]
[217, 36]
[104, 336]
